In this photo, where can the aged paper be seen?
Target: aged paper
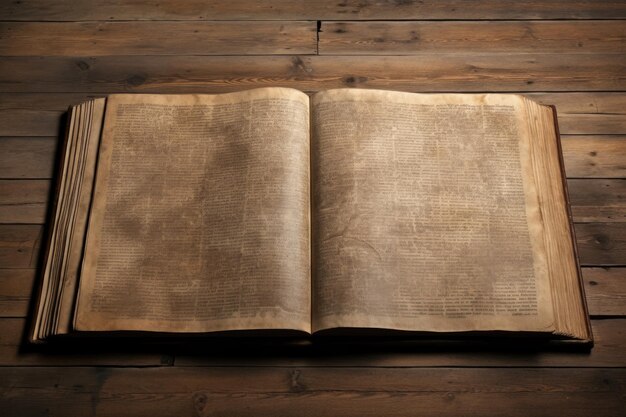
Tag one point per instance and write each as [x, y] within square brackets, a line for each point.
[77, 229]
[201, 215]
[425, 214]
[51, 275]
[64, 251]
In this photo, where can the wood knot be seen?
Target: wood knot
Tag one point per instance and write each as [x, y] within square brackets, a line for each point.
[200, 401]
[136, 80]
[167, 360]
[298, 66]
[82, 65]
[603, 241]
[353, 80]
[295, 385]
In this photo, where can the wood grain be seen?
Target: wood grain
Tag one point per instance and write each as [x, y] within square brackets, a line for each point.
[68, 10]
[594, 156]
[583, 102]
[27, 157]
[36, 114]
[601, 243]
[210, 74]
[16, 289]
[24, 201]
[312, 391]
[409, 38]
[157, 38]
[19, 121]
[598, 200]
[19, 245]
[605, 289]
[587, 113]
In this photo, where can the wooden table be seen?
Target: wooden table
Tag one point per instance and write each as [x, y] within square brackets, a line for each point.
[571, 54]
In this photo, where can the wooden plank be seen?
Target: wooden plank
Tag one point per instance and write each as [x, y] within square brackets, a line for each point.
[67, 10]
[35, 114]
[31, 122]
[291, 391]
[592, 200]
[584, 156]
[40, 102]
[605, 289]
[609, 351]
[592, 123]
[157, 38]
[24, 201]
[16, 351]
[601, 243]
[19, 245]
[587, 113]
[27, 157]
[426, 73]
[598, 200]
[594, 156]
[409, 38]
[583, 102]
[16, 289]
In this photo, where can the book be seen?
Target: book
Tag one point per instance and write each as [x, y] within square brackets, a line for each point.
[348, 211]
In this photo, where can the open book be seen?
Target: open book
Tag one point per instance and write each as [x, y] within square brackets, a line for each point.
[352, 209]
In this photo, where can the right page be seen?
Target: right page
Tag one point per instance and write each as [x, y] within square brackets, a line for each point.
[426, 214]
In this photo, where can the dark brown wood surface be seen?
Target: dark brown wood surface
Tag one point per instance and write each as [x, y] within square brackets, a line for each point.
[571, 54]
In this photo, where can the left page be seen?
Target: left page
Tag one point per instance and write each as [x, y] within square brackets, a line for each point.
[200, 217]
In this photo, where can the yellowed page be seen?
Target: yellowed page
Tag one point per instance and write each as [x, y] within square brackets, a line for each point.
[426, 215]
[200, 220]
[51, 269]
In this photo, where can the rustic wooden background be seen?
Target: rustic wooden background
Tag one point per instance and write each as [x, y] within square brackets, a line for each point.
[571, 54]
